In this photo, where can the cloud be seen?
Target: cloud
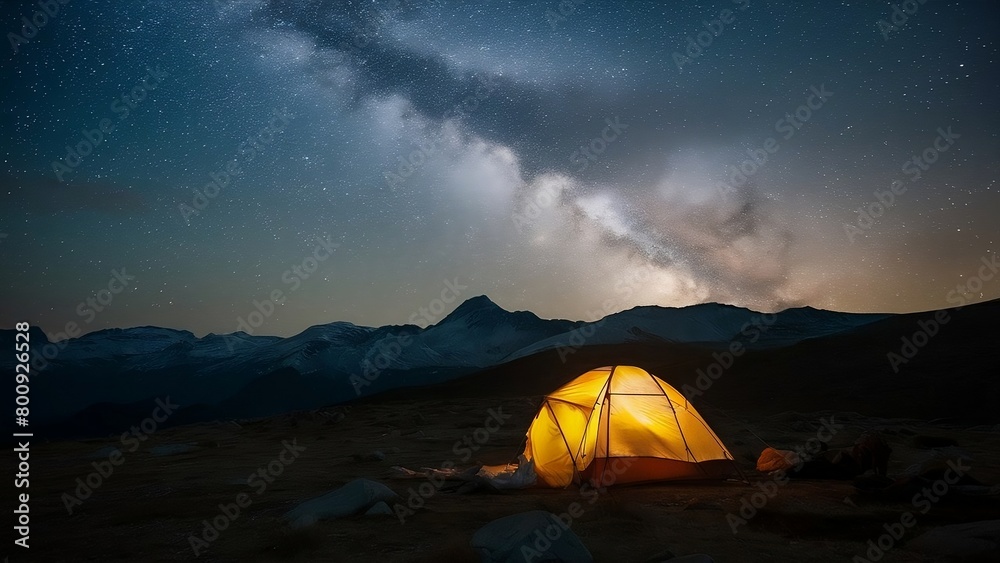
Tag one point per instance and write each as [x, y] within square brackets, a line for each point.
[492, 163]
[734, 250]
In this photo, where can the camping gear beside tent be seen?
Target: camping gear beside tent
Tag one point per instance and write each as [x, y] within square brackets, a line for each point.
[620, 424]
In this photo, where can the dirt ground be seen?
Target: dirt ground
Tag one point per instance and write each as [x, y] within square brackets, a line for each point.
[157, 499]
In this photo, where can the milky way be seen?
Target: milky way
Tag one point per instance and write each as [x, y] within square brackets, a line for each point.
[567, 158]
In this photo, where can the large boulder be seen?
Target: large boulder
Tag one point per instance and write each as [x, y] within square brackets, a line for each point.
[529, 536]
[379, 509]
[356, 497]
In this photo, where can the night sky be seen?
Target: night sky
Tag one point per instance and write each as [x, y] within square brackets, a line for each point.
[570, 159]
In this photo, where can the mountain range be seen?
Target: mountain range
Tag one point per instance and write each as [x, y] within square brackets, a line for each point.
[106, 378]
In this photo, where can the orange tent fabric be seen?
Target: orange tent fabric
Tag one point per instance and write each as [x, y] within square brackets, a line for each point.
[620, 424]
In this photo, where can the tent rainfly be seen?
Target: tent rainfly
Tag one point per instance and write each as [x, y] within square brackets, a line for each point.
[620, 424]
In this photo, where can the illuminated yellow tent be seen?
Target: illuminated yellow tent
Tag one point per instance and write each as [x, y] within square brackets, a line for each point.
[620, 424]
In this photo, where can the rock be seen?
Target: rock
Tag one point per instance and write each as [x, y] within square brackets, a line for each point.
[380, 508]
[529, 536]
[353, 498]
[960, 540]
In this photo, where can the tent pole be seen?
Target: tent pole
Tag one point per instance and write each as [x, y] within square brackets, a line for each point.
[563, 436]
[680, 429]
[607, 430]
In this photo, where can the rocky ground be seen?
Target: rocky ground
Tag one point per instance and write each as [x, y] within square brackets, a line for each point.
[158, 498]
